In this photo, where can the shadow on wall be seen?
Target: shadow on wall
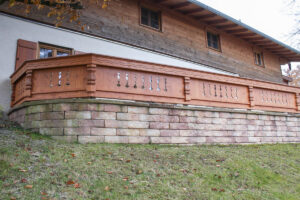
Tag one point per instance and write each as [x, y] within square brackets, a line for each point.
[5, 95]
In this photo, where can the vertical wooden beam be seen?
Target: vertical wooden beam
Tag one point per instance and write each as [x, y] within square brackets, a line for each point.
[91, 80]
[187, 90]
[298, 101]
[13, 94]
[251, 96]
[28, 83]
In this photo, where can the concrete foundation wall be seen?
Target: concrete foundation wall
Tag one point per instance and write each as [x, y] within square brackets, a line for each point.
[112, 121]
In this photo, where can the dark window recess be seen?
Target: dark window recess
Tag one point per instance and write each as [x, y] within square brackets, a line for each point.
[45, 53]
[213, 41]
[150, 18]
[48, 51]
[259, 59]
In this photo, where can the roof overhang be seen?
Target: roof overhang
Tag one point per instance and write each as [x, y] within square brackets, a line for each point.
[207, 15]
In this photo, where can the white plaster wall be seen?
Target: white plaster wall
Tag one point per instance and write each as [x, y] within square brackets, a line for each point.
[13, 28]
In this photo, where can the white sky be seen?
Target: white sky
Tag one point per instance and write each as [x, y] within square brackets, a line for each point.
[272, 17]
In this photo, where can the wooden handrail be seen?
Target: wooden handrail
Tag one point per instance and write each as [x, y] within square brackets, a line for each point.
[92, 75]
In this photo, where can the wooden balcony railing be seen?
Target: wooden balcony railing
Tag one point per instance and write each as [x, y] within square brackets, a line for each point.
[93, 76]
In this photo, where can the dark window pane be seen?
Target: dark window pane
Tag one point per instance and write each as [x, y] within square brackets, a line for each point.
[150, 18]
[154, 20]
[144, 14]
[60, 53]
[45, 53]
[213, 40]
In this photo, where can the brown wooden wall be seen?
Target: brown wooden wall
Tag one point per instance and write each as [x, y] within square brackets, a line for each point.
[180, 37]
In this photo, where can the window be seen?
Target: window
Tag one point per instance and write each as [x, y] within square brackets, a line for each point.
[151, 18]
[259, 60]
[48, 51]
[213, 41]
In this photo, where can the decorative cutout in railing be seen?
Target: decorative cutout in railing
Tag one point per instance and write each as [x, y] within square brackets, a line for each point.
[214, 91]
[20, 89]
[265, 97]
[138, 82]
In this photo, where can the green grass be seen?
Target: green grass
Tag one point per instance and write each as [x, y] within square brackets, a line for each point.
[112, 171]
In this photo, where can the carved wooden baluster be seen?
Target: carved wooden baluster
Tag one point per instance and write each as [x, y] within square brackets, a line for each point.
[135, 86]
[143, 82]
[226, 91]
[203, 89]
[298, 101]
[118, 77]
[166, 85]
[221, 91]
[209, 89]
[236, 93]
[187, 90]
[13, 94]
[91, 80]
[251, 96]
[68, 78]
[127, 81]
[231, 92]
[215, 88]
[150, 88]
[59, 79]
[157, 81]
[28, 83]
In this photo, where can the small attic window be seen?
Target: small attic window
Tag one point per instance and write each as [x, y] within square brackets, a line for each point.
[213, 41]
[151, 18]
[259, 59]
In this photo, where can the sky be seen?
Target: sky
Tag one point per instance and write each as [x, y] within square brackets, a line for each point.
[272, 17]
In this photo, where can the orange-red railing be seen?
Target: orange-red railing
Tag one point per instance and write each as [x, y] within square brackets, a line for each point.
[91, 75]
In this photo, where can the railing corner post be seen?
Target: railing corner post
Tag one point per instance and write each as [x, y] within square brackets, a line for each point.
[298, 101]
[28, 83]
[187, 89]
[251, 96]
[91, 80]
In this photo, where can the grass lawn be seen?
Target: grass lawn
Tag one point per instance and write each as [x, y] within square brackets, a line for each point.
[36, 167]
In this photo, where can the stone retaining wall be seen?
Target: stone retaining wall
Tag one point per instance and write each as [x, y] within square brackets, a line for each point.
[100, 120]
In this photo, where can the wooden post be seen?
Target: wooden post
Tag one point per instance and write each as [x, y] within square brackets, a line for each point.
[187, 90]
[91, 80]
[298, 101]
[28, 83]
[251, 96]
[13, 94]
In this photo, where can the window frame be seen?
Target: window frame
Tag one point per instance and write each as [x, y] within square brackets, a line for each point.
[54, 49]
[219, 40]
[153, 10]
[261, 58]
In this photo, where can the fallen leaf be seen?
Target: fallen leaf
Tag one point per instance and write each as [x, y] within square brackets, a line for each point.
[22, 170]
[28, 186]
[126, 187]
[12, 198]
[222, 190]
[65, 160]
[184, 189]
[218, 165]
[158, 175]
[128, 161]
[154, 161]
[44, 198]
[125, 179]
[109, 172]
[23, 180]
[76, 185]
[236, 174]
[44, 193]
[73, 155]
[139, 171]
[89, 163]
[70, 182]
[17, 154]
[214, 189]
[156, 156]
[106, 188]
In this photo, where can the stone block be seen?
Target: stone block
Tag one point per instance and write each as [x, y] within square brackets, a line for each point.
[291, 139]
[281, 128]
[215, 133]
[149, 132]
[169, 133]
[128, 117]
[292, 119]
[241, 140]
[128, 132]
[159, 125]
[280, 118]
[112, 108]
[51, 115]
[116, 139]
[179, 126]
[186, 119]
[104, 115]
[254, 128]
[78, 115]
[91, 122]
[204, 120]
[225, 115]
[217, 127]
[77, 131]
[196, 126]
[220, 120]
[254, 139]
[191, 133]
[110, 123]
[293, 129]
[197, 140]
[138, 140]
[256, 122]
[222, 140]
[87, 107]
[240, 133]
[138, 124]
[252, 116]
[39, 108]
[211, 114]
[33, 117]
[160, 140]
[158, 111]
[65, 138]
[199, 114]
[103, 131]
[181, 112]
[62, 107]
[280, 123]
[270, 123]
[180, 140]
[138, 110]
[51, 131]
[90, 139]
[239, 116]
[292, 123]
